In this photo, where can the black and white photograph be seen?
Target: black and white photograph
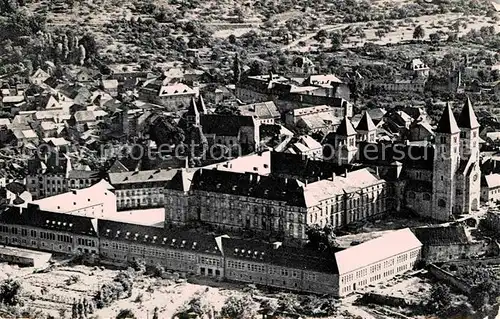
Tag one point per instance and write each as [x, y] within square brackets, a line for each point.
[249, 159]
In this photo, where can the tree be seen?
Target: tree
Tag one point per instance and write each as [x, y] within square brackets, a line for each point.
[9, 292]
[256, 68]
[435, 37]
[224, 109]
[336, 39]
[232, 39]
[237, 69]
[419, 33]
[440, 298]
[238, 308]
[321, 36]
[155, 313]
[125, 314]
[322, 239]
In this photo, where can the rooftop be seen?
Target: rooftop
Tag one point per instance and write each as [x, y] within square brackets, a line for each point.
[441, 236]
[78, 199]
[159, 175]
[375, 250]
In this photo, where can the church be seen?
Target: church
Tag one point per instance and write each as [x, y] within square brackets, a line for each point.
[439, 180]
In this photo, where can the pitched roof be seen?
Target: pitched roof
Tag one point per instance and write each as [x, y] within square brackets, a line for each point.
[84, 116]
[375, 250]
[492, 180]
[293, 257]
[148, 176]
[447, 124]
[75, 200]
[251, 185]
[440, 236]
[366, 123]
[150, 235]
[345, 128]
[192, 108]
[33, 216]
[263, 110]
[467, 118]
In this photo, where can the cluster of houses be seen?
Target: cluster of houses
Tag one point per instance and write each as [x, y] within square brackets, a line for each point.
[304, 157]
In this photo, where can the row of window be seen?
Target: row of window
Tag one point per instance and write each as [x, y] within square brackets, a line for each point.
[138, 192]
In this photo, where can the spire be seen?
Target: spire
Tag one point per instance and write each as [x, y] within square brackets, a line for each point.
[366, 123]
[345, 128]
[201, 105]
[193, 109]
[447, 124]
[467, 118]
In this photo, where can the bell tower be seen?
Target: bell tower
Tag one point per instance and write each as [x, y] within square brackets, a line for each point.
[446, 160]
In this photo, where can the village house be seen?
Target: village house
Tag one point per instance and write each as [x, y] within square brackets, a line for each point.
[419, 68]
[265, 112]
[39, 77]
[171, 96]
[490, 188]
[307, 146]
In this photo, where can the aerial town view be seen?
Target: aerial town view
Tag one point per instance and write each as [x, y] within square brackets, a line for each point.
[250, 159]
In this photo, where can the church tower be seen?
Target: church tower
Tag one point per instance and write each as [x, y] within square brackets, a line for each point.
[345, 142]
[446, 160]
[193, 114]
[469, 178]
[367, 131]
[469, 132]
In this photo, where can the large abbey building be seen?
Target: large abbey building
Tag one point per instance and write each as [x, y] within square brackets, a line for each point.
[438, 180]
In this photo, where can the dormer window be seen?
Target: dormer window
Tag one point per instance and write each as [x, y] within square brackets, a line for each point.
[243, 251]
[47, 221]
[236, 250]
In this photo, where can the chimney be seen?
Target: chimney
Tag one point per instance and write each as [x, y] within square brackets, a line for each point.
[251, 177]
[377, 172]
[333, 176]
[319, 178]
[258, 178]
[286, 181]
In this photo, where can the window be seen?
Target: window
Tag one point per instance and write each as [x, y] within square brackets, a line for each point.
[411, 195]
[443, 139]
[427, 196]
[441, 203]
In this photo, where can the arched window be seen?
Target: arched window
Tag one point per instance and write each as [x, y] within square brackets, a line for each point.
[411, 195]
[427, 196]
[291, 229]
[441, 203]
